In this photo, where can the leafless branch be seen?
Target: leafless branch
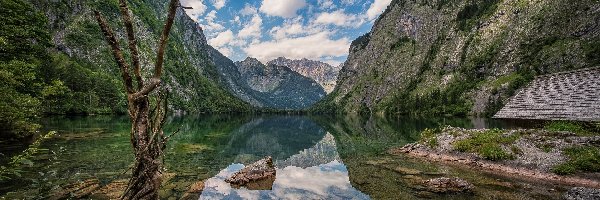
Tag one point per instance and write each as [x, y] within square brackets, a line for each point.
[135, 57]
[116, 50]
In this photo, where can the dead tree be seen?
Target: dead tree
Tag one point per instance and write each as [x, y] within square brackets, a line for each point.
[147, 137]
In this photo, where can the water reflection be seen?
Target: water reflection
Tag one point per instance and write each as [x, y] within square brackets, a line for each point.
[317, 157]
[313, 173]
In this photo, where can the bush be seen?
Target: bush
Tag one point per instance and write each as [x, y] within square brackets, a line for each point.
[583, 158]
[579, 128]
[488, 144]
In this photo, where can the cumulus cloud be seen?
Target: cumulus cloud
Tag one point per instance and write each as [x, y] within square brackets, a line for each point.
[252, 29]
[222, 39]
[326, 4]
[339, 18]
[377, 8]
[198, 8]
[209, 25]
[314, 46]
[218, 4]
[282, 8]
[249, 10]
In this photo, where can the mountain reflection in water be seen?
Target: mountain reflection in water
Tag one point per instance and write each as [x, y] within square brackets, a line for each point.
[313, 173]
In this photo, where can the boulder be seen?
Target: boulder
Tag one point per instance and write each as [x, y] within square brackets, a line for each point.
[447, 185]
[257, 174]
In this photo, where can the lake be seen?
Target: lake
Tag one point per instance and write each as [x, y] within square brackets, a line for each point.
[317, 157]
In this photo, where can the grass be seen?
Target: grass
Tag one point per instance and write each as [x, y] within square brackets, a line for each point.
[583, 158]
[428, 137]
[488, 144]
[579, 128]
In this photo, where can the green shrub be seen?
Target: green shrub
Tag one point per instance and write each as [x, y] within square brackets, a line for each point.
[493, 151]
[579, 128]
[583, 158]
[488, 144]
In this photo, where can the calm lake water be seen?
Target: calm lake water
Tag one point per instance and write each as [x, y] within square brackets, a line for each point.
[316, 157]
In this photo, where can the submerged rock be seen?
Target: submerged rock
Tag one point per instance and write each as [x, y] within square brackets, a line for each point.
[76, 190]
[581, 193]
[194, 191]
[262, 170]
[448, 185]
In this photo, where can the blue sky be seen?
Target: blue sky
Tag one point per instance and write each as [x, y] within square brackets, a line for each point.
[267, 29]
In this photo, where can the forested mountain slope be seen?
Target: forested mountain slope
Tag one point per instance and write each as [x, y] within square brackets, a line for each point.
[461, 57]
[54, 60]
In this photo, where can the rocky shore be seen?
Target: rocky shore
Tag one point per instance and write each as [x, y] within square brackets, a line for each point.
[527, 154]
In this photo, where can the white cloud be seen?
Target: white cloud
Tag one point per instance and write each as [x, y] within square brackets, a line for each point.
[252, 29]
[282, 8]
[377, 8]
[218, 4]
[198, 8]
[339, 18]
[315, 46]
[326, 4]
[348, 2]
[249, 10]
[222, 39]
[210, 26]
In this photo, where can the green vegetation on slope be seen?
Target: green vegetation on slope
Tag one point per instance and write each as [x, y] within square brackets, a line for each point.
[488, 144]
[583, 158]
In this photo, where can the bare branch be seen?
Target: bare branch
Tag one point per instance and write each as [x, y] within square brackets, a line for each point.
[116, 50]
[135, 57]
[164, 38]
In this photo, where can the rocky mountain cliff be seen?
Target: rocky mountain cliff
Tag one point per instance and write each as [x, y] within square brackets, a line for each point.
[462, 57]
[190, 74]
[322, 73]
[274, 86]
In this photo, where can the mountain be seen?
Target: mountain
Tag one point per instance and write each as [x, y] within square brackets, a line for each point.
[322, 73]
[273, 86]
[190, 74]
[462, 57]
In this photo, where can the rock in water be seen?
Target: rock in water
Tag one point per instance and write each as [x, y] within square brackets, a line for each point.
[262, 170]
[448, 185]
[581, 193]
[75, 190]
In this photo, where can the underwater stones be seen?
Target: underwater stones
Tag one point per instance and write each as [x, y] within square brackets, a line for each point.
[447, 185]
[259, 171]
[581, 193]
[194, 191]
[407, 171]
[76, 190]
[113, 190]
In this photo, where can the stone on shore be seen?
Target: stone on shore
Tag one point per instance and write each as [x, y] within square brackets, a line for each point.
[581, 193]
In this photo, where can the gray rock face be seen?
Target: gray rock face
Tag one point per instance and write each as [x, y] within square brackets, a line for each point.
[580, 193]
[415, 48]
[571, 95]
[322, 73]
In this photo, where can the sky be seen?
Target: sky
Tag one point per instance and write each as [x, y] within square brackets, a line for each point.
[267, 29]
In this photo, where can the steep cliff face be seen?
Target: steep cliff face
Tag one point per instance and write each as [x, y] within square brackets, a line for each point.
[190, 74]
[322, 73]
[462, 57]
[273, 86]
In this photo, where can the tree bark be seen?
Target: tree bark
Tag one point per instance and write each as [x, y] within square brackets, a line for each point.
[147, 137]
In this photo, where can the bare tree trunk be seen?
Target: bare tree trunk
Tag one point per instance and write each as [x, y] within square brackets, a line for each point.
[147, 137]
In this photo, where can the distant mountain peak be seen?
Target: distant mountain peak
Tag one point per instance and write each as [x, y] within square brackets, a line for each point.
[322, 73]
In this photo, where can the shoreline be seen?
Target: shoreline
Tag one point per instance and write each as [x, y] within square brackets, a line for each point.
[492, 167]
[521, 153]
